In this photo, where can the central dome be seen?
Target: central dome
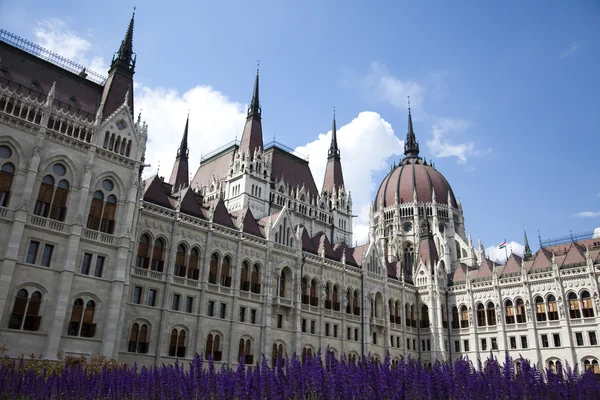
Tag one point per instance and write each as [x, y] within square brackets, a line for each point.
[413, 175]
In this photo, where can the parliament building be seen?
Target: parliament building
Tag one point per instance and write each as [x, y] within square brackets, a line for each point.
[250, 257]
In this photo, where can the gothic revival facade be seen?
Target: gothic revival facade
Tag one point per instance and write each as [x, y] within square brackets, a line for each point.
[248, 258]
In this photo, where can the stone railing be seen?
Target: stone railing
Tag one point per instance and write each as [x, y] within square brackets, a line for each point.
[98, 236]
[46, 223]
[147, 273]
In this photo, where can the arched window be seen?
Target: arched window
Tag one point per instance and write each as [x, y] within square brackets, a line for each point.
[555, 367]
[574, 311]
[552, 308]
[305, 297]
[397, 312]
[336, 298]
[82, 319]
[214, 266]
[307, 353]
[480, 315]
[509, 310]
[491, 314]
[277, 353]
[177, 343]
[7, 175]
[540, 309]
[328, 301]
[521, 315]
[349, 301]
[213, 347]
[444, 319]
[245, 352]
[143, 256]
[424, 316]
[282, 279]
[193, 271]
[587, 305]
[180, 258]
[455, 320]
[53, 195]
[158, 253]
[225, 272]
[25, 311]
[355, 303]
[138, 338]
[391, 307]
[407, 314]
[314, 297]
[255, 279]
[103, 208]
[464, 317]
[592, 365]
[409, 256]
[413, 317]
[245, 278]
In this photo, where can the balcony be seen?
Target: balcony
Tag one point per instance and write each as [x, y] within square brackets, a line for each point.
[149, 274]
[282, 301]
[46, 223]
[98, 236]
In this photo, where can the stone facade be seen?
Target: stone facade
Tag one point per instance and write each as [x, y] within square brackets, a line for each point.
[95, 261]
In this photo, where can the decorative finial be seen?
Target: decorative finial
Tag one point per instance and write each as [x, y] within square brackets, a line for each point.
[408, 104]
[333, 112]
[257, 66]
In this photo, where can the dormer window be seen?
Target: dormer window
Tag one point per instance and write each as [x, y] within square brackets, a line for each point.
[121, 124]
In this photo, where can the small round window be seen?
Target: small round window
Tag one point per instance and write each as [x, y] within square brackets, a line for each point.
[108, 185]
[5, 152]
[59, 170]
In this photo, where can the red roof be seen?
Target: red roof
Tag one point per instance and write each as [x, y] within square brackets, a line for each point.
[292, 169]
[486, 269]
[460, 274]
[323, 246]
[542, 260]
[250, 225]
[333, 175]
[191, 204]
[221, 215]
[574, 257]
[155, 192]
[402, 181]
[252, 136]
[307, 244]
[24, 67]
[513, 265]
[216, 166]
[428, 252]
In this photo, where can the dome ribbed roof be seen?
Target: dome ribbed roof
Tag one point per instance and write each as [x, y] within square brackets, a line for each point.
[413, 173]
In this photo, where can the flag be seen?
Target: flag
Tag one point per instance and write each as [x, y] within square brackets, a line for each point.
[502, 245]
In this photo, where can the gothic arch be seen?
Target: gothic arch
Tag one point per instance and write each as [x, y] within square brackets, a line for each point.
[16, 147]
[120, 191]
[61, 158]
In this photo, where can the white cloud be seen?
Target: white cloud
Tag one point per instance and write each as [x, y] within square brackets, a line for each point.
[382, 85]
[55, 35]
[569, 51]
[365, 143]
[499, 255]
[587, 214]
[214, 121]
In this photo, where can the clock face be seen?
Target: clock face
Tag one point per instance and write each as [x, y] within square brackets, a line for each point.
[407, 226]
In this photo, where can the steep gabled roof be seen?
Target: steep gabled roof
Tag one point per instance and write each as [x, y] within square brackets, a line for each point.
[292, 169]
[323, 246]
[428, 252]
[155, 192]
[460, 273]
[574, 257]
[190, 204]
[307, 244]
[485, 270]
[358, 252]
[542, 260]
[250, 225]
[513, 265]
[221, 215]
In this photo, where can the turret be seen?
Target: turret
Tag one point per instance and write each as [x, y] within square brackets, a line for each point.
[180, 173]
[334, 178]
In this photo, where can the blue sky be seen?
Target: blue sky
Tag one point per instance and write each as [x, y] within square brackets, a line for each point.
[505, 94]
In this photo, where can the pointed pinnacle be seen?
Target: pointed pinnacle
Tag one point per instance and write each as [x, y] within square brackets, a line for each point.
[183, 147]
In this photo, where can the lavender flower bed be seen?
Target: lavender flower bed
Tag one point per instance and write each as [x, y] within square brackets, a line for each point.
[292, 379]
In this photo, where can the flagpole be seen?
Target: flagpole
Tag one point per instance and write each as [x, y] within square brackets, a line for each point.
[505, 251]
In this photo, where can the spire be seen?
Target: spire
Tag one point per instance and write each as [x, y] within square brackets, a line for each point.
[411, 146]
[125, 58]
[180, 173]
[119, 84]
[334, 178]
[527, 253]
[254, 109]
[183, 150]
[334, 151]
[252, 137]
